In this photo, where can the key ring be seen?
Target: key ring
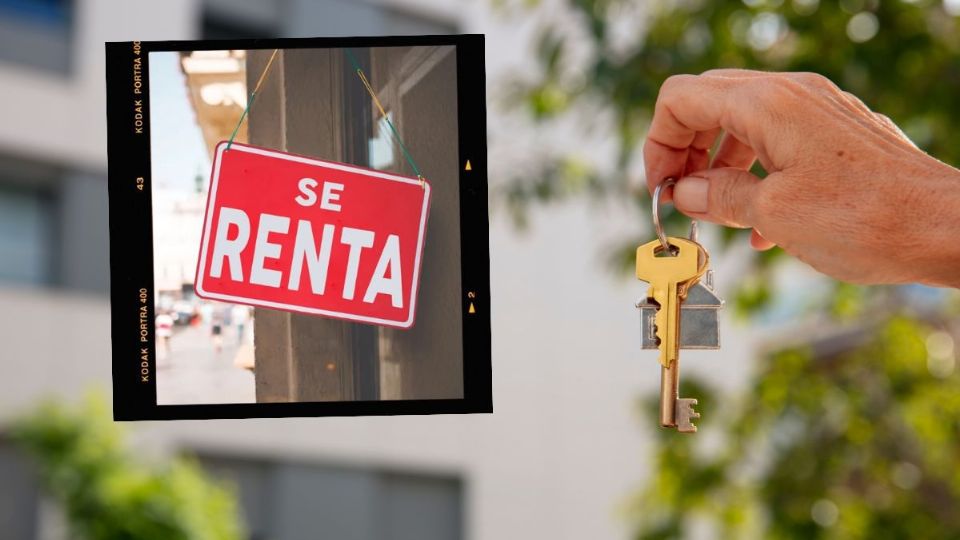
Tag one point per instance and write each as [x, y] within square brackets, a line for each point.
[656, 213]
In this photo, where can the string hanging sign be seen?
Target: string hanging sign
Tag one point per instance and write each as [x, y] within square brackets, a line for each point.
[312, 236]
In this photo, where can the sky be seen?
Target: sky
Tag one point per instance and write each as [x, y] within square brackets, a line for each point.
[177, 148]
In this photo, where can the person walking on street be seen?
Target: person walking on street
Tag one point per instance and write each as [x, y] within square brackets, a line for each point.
[216, 330]
[164, 330]
[240, 316]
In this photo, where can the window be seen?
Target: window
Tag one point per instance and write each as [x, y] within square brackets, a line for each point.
[280, 500]
[37, 33]
[27, 235]
[230, 19]
[233, 19]
[289, 500]
[222, 27]
[53, 226]
[382, 144]
[402, 22]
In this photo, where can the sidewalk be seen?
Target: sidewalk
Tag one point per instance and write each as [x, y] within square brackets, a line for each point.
[194, 373]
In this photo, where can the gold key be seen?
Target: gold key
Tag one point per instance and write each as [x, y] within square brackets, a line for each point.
[670, 276]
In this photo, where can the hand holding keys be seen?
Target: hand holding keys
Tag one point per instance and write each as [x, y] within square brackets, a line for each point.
[672, 266]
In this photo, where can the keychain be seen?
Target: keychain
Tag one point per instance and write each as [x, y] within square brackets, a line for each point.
[680, 311]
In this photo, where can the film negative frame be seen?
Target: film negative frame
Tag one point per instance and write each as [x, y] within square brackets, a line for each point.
[131, 235]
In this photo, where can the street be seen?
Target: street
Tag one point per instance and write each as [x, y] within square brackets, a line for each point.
[192, 372]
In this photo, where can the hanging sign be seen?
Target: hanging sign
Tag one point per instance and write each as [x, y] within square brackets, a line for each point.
[299, 234]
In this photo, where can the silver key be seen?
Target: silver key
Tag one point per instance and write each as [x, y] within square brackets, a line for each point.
[699, 318]
[699, 329]
[699, 314]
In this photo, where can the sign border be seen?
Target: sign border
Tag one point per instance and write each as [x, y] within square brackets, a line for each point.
[207, 225]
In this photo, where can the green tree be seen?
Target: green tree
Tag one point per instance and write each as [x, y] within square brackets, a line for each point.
[860, 440]
[106, 494]
[609, 58]
[856, 441]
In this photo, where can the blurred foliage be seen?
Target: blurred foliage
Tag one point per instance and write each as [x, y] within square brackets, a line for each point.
[854, 431]
[855, 436]
[608, 59]
[106, 494]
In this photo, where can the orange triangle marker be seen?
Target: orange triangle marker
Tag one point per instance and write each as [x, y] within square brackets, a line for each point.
[472, 309]
[468, 167]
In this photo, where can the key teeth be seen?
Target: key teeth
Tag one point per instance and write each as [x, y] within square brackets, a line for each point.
[685, 413]
[659, 324]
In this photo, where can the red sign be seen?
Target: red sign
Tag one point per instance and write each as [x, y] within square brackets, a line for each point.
[299, 234]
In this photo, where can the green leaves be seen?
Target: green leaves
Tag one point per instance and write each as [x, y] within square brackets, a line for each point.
[847, 437]
[107, 494]
[909, 70]
[854, 433]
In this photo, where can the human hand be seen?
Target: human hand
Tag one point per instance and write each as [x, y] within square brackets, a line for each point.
[846, 192]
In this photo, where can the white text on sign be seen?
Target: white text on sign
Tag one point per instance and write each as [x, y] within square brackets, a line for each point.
[386, 278]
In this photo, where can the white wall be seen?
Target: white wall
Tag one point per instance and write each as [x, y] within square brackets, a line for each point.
[563, 448]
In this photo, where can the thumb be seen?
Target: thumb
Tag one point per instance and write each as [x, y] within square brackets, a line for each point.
[724, 196]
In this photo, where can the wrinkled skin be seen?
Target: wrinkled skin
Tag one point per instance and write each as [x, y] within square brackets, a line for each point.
[847, 192]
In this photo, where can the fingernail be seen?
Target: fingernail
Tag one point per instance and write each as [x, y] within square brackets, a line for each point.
[690, 194]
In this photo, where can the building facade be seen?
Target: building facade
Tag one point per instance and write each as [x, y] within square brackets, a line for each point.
[557, 459]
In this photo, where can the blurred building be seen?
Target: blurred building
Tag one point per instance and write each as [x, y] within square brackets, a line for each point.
[557, 459]
[177, 224]
[216, 81]
[52, 183]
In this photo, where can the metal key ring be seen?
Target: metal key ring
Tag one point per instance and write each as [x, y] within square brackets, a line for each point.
[656, 213]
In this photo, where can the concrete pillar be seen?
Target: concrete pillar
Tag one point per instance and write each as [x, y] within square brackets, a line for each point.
[430, 355]
[313, 104]
[274, 377]
[299, 110]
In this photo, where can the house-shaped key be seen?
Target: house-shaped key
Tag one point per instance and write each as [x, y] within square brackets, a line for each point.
[699, 318]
